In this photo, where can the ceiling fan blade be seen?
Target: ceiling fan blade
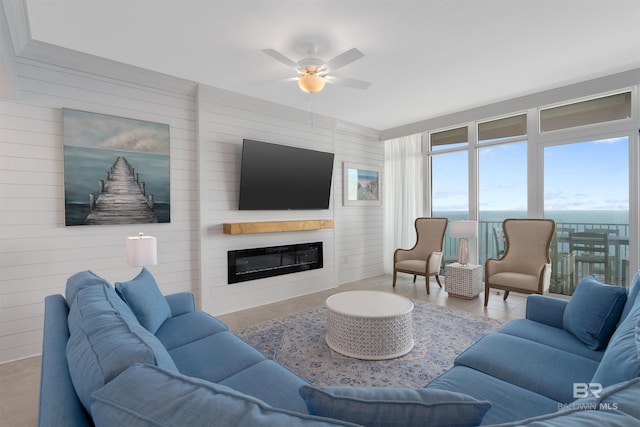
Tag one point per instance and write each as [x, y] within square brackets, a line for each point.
[280, 58]
[343, 59]
[345, 81]
[267, 82]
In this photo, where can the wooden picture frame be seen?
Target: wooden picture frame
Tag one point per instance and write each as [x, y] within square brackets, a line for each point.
[361, 185]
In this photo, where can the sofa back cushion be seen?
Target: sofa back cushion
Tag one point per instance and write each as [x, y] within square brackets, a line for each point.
[593, 312]
[632, 297]
[105, 339]
[79, 281]
[379, 407]
[621, 360]
[143, 295]
[145, 395]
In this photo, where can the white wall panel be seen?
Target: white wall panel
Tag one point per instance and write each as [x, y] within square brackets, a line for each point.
[37, 251]
[227, 119]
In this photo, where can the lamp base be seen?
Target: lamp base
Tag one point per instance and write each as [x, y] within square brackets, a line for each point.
[463, 252]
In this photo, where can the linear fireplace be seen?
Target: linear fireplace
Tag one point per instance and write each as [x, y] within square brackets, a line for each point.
[257, 263]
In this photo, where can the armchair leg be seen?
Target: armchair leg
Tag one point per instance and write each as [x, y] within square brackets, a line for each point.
[394, 278]
[486, 295]
[426, 279]
[506, 294]
[438, 280]
[414, 278]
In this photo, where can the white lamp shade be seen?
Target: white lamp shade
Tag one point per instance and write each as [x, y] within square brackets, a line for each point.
[142, 250]
[463, 229]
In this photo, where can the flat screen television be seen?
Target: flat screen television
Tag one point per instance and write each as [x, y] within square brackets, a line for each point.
[279, 177]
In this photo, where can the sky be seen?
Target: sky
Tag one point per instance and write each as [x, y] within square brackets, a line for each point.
[591, 175]
[84, 129]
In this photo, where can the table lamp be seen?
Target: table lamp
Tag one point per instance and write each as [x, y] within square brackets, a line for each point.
[142, 250]
[463, 230]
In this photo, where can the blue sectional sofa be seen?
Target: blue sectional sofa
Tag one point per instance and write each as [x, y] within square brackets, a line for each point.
[126, 355]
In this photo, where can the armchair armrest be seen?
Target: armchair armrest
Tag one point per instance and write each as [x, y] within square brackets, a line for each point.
[181, 303]
[546, 310]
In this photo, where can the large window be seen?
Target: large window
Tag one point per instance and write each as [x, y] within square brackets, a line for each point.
[502, 179]
[586, 191]
[450, 181]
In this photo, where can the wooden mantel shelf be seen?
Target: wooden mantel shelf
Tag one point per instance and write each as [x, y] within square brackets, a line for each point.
[276, 226]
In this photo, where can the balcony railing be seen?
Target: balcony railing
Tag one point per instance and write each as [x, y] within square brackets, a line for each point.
[565, 271]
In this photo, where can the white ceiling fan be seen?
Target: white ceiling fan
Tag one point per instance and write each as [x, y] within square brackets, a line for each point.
[313, 72]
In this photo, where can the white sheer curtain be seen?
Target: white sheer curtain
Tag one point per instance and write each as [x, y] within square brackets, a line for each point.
[403, 194]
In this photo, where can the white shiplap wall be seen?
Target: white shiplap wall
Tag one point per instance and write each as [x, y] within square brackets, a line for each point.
[225, 120]
[37, 251]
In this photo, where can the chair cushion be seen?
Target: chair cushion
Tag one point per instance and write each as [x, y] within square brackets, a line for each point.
[146, 395]
[412, 265]
[593, 312]
[394, 406]
[105, 340]
[515, 280]
[145, 299]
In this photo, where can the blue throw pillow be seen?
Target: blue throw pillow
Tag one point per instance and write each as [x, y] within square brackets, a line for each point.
[593, 312]
[145, 299]
[394, 406]
[145, 395]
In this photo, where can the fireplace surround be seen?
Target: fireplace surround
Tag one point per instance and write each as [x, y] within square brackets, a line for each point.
[258, 263]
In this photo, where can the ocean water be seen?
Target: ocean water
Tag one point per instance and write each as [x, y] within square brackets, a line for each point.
[575, 219]
[560, 216]
[85, 167]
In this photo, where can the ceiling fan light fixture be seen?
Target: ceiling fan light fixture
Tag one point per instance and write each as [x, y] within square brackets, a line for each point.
[311, 83]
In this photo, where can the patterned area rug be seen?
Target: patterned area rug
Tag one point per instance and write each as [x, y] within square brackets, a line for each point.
[440, 334]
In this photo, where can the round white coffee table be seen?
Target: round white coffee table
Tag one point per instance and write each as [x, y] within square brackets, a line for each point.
[370, 325]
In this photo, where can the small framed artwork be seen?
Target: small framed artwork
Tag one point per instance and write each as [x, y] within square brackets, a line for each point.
[361, 185]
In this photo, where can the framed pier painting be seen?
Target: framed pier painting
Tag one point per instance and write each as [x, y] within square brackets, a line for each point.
[116, 170]
[361, 185]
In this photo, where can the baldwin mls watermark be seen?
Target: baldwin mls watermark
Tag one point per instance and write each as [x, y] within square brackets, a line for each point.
[586, 390]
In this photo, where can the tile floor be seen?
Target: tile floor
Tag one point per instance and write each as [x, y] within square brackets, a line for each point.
[19, 381]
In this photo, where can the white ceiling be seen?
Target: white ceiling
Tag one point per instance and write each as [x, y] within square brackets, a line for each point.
[424, 58]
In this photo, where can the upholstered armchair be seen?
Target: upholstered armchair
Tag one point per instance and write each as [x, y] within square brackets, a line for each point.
[425, 258]
[525, 266]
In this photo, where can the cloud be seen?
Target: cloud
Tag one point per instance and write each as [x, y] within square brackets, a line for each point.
[145, 139]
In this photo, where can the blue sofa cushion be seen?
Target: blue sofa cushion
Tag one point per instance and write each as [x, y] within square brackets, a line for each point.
[593, 312]
[577, 418]
[202, 359]
[270, 382]
[394, 406]
[105, 340]
[145, 299]
[621, 360]
[617, 406]
[550, 336]
[634, 289]
[79, 281]
[146, 395]
[187, 328]
[502, 395]
[503, 356]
